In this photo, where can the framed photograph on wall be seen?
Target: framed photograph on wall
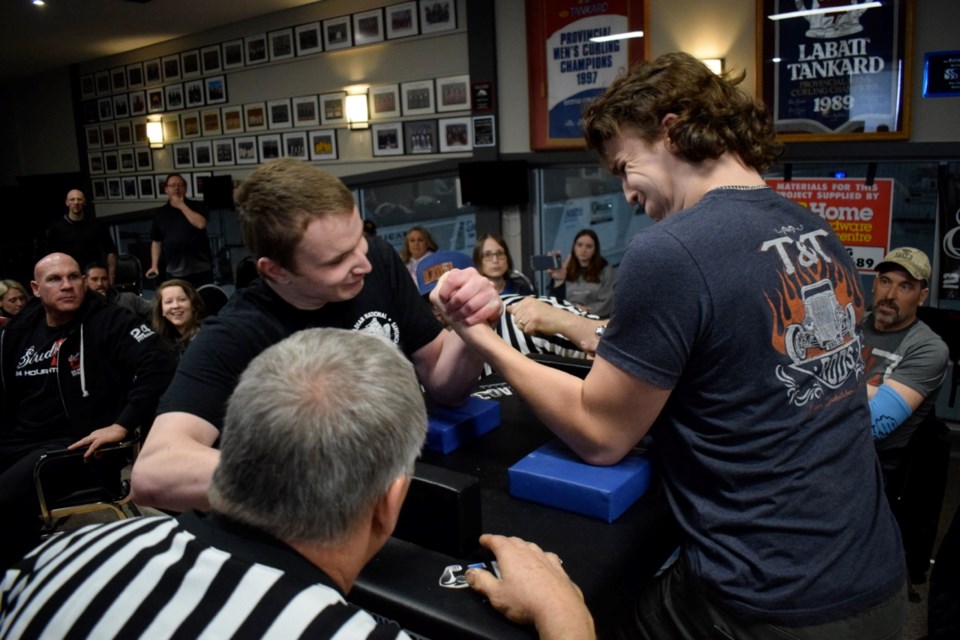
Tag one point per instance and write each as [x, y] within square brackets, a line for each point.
[202, 153]
[337, 33]
[190, 64]
[455, 135]
[144, 157]
[190, 124]
[278, 114]
[215, 90]
[199, 181]
[108, 135]
[193, 93]
[256, 49]
[103, 83]
[171, 68]
[368, 27]
[246, 150]
[118, 79]
[332, 110]
[130, 191]
[124, 134]
[421, 136]
[232, 119]
[387, 139]
[384, 102]
[152, 72]
[140, 132]
[417, 97]
[99, 189]
[223, 152]
[146, 187]
[121, 108]
[269, 145]
[295, 145]
[128, 160]
[182, 155]
[105, 108]
[305, 113]
[155, 100]
[92, 136]
[171, 128]
[135, 76]
[401, 20]
[138, 103]
[88, 86]
[95, 163]
[837, 76]
[453, 93]
[161, 181]
[281, 44]
[173, 96]
[438, 15]
[111, 162]
[210, 61]
[484, 131]
[114, 189]
[307, 38]
[233, 52]
[323, 144]
[255, 116]
[210, 122]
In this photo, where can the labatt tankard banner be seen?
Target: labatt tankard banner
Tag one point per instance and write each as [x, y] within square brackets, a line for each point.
[836, 69]
[568, 68]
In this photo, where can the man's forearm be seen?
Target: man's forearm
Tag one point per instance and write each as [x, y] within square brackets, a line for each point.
[154, 255]
[193, 217]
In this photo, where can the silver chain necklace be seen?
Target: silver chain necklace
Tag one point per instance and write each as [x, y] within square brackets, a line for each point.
[741, 187]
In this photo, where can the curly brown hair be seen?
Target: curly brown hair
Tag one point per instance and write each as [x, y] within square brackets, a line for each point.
[714, 116]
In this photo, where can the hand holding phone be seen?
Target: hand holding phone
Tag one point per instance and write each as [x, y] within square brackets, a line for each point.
[545, 262]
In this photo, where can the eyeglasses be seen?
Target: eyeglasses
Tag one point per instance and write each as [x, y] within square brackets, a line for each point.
[493, 255]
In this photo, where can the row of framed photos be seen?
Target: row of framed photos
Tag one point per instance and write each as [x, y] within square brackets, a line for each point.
[171, 97]
[317, 145]
[400, 20]
[446, 135]
[145, 187]
[421, 97]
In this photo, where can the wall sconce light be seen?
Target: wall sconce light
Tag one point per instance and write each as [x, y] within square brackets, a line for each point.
[358, 115]
[714, 64]
[155, 134]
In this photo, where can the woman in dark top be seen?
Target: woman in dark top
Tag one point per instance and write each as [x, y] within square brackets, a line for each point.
[177, 311]
[492, 259]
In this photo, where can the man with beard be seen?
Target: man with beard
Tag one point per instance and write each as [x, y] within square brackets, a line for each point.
[906, 361]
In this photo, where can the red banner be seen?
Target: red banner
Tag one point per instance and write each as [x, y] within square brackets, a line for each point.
[859, 213]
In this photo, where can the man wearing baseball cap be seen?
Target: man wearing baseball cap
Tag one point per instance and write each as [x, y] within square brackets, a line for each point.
[906, 360]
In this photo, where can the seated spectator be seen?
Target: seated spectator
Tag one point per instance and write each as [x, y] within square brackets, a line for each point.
[417, 244]
[77, 373]
[279, 550]
[587, 277]
[98, 280]
[13, 296]
[177, 312]
[492, 259]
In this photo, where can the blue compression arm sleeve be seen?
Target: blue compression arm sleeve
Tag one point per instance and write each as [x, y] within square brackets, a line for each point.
[887, 412]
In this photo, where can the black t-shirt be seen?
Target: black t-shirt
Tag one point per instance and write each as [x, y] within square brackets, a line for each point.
[85, 240]
[185, 249]
[40, 414]
[256, 318]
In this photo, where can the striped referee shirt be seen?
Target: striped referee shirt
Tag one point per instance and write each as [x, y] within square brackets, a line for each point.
[196, 576]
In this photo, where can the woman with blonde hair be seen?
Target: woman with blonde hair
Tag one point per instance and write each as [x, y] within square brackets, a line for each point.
[13, 296]
[417, 245]
[177, 311]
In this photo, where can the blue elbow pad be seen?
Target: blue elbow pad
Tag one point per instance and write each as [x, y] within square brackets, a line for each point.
[887, 412]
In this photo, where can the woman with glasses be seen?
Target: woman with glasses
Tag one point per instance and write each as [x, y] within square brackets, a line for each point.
[587, 278]
[492, 259]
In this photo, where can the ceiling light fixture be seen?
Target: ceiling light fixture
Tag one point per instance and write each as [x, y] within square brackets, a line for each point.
[822, 10]
[618, 36]
[38, 3]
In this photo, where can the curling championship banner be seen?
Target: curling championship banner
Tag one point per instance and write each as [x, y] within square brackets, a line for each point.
[860, 214]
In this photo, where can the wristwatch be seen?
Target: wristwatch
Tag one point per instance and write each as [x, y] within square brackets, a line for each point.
[599, 331]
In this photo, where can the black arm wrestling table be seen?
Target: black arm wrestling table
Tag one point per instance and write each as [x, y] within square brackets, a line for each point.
[610, 562]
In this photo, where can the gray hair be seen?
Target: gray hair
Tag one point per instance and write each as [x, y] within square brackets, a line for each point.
[318, 427]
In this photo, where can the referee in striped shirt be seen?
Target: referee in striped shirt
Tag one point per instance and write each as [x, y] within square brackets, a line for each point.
[323, 432]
